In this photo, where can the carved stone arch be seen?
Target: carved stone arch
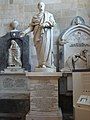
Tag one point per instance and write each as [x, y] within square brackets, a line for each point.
[72, 29]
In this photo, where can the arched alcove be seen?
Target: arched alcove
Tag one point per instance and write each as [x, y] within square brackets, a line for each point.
[5, 42]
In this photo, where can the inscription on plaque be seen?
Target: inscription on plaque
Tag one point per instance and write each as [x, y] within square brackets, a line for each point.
[77, 42]
[8, 83]
[20, 83]
[12, 82]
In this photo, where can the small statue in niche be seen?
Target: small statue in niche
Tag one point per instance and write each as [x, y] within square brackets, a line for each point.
[14, 59]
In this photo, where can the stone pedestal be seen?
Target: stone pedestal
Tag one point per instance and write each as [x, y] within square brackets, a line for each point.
[14, 96]
[44, 96]
[45, 69]
[13, 70]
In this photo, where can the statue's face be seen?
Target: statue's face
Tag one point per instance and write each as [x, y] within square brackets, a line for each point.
[41, 6]
[13, 43]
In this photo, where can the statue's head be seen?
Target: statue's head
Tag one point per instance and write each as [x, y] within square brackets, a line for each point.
[84, 51]
[14, 24]
[14, 43]
[41, 6]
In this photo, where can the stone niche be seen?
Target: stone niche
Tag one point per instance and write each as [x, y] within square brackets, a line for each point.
[75, 45]
[23, 43]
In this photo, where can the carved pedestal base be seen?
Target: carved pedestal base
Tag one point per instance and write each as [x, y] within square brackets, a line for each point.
[14, 70]
[45, 69]
[44, 116]
[44, 96]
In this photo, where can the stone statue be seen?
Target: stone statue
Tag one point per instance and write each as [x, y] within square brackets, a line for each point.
[80, 56]
[14, 24]
[42, 26]
[14, 59]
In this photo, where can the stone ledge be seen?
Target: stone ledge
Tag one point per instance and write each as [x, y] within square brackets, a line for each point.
[55, 115]
[44, 75]
[15, 95]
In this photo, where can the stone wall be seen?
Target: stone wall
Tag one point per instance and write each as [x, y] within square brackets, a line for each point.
[23, 10]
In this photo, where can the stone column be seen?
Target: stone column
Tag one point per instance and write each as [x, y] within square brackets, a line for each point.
[44, 96]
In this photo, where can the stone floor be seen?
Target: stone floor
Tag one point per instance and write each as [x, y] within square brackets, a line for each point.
[11, 118]
[67, 116]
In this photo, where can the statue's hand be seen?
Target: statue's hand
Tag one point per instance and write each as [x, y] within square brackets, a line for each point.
[43, 25]
[77, 55]
[22, 34]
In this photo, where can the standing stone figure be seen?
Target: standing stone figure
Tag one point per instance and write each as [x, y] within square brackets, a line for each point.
[42, 26]
[14, 59]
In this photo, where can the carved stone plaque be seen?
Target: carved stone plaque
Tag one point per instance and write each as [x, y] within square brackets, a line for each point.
[77, 47]
[13, 82]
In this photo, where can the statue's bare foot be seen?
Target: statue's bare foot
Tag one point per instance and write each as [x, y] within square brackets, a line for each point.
[43, 66]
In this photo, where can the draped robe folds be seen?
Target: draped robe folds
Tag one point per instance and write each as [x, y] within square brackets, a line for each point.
[43, 38]
[14, 55]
